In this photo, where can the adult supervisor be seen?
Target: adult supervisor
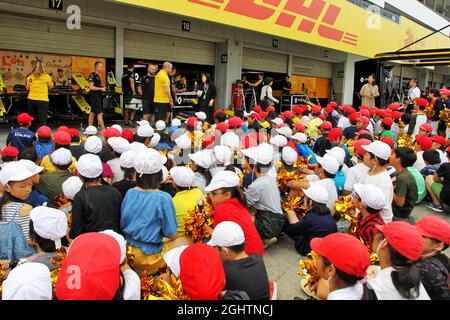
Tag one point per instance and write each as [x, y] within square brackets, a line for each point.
[369, 92]
[38, 84]
[163, 100]
[207, 95]
[95, 95]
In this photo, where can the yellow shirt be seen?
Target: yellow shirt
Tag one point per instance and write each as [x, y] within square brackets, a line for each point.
[161, 80]
[49, 167]
[312, 127]
[183, 202]
[39, 87]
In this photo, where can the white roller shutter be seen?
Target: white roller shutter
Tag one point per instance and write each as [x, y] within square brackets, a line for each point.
[438, 78]
[259, 60]
[309, 67]
[142, 45]
[408, 73]
[39, 35]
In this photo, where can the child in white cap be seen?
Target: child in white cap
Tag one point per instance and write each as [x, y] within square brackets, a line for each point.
[201, 162]
[129, 174]
[118, 145]
[70, 189]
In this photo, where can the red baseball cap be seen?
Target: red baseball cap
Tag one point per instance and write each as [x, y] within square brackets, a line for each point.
[364, 112]
[388, 140]
[96, 256]
[388, 121]
[10, 151]
[110, 132]
[326, 125]
[334, 134]
[332, 104]
[345, 252]
[421, 102]
[358, 146]
[128, 135]
[257, 109]
[396, 114]
[222, 127]
[363, 119]
[329, 109]
[270, 109]
[235, 122]
[191, 122]
[435, 228]
[248, 142]
[62, 138]
[381, 112]
[208, 141]
[394, 106]
[440, 140]
[361, 132]
[287, 114]
[304, 107]
[425, 142]
[63, 128]
[297, 109]
[218, 111]
[263, 114]
[444, 91]
[364, 107]
[322, 116]
[388, 113]
[300, 127]
[74, 132]
[316, 109]
[426, 127]
[404, 238]
[44, 132]
[353, 116]
[254, 115]
[201, 272]
[24, 118]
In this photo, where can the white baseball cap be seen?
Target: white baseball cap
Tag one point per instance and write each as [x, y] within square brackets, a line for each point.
[279, 141]
[300, 137]
[328, 163]
[379, 149]
[49, 223]
[372, 196]
[264, 154]
[183, 142]
[338, 153]
[145, 131]
[90, 131]
[90, 166]
[14, 171]
[138, 147]
[176, 122]
[155, 140]
[317, 193]
[223, 179]
[148, 162]
[143, 123]
[93, 145]
[230, 139]
[182, 176]
[289, 155]
[165, 174]
[285, 131]
[222, 154]
[119, 144]
[120, 241]
[61, 157]
[160, 125]
[31, 166]
[172, 259]
[201, 115]
[278, 121]
[227, 234]
[28, 281]
[118, 127]
[202, 159]
[251, 153]
[127, 159]
[71, 187]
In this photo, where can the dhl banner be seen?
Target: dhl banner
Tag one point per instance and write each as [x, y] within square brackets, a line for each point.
[336, 24]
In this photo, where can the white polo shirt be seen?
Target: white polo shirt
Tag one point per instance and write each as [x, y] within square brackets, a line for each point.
[413, 93]
[354, 292]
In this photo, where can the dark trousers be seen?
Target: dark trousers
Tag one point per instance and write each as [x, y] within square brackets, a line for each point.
[209, 111]
[161, 111]
[39, 111]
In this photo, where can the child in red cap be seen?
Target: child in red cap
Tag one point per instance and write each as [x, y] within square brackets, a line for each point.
[435, 265]
[312, 126]
[44, 145]
[10, 154]
[62, 140]
[21, 137]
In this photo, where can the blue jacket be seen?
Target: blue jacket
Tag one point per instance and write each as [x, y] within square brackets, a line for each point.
[21, 138]
[305, 151]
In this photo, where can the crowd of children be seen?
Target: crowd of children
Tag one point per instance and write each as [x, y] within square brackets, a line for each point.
[119, 200]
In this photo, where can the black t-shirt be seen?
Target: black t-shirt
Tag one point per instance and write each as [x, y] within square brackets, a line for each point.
[95, 209]
[444, 172]
[123, 186]
[287, 85]
[95, 79]
[438, 107]
[148, 87]
[248, 275]
[126, 85]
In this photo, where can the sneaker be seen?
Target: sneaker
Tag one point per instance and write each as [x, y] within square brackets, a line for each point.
[434, 207]
[273, 290]
[267, 243]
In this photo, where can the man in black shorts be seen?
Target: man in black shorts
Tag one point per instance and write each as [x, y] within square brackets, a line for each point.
[130, 83]
[95, 95]
[147, 91]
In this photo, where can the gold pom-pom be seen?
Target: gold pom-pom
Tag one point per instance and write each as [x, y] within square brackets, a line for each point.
[197, 218]
[344, 209]
[429, 111]
[308, 266]
[155, 288]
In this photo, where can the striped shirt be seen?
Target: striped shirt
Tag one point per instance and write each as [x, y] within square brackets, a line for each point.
[11, 212]
[366, 229]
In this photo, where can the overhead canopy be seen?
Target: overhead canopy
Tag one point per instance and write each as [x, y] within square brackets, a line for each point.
[418, 58]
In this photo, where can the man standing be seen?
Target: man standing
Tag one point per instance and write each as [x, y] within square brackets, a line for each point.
[413, 94]
[287, 86]
[130, 81]
[147, 91]
[163, 99]
[95, 95]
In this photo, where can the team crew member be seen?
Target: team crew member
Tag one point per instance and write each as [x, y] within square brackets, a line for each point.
[95, 95]
[130, 81]
[38, 84]
[413, 95]
[163, 98]
[147, 91]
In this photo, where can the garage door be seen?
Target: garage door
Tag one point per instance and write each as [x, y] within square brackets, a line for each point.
[309, 67]
[38, 35]
[259, 60]
[408, 73]
[142, 45]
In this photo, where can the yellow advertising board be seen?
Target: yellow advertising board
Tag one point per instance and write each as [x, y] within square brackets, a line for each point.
[336, 24]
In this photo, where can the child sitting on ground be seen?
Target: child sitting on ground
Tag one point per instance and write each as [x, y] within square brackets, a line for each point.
[21, 137]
